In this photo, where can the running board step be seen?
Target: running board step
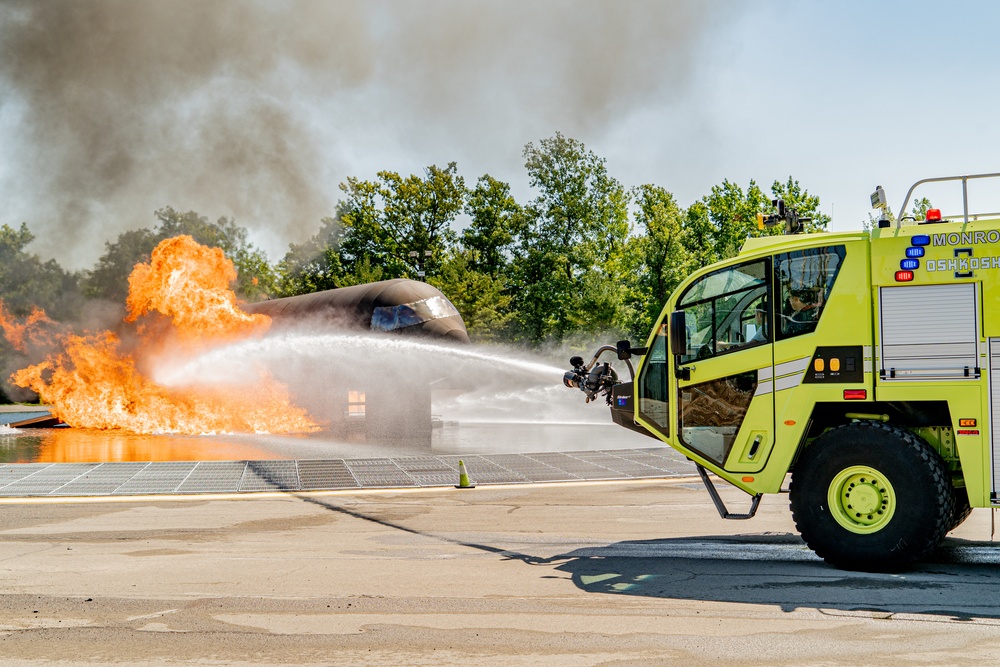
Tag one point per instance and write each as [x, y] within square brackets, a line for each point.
[721, 506]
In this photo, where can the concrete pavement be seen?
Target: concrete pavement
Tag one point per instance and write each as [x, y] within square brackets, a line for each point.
[616, 573]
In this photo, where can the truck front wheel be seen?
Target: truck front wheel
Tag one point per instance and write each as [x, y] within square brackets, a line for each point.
[869, 496]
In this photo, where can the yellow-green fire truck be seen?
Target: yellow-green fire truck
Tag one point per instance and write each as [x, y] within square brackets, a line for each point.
[866, 364]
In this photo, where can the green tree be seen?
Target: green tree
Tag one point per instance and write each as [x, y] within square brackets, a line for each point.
[699, 236]
[734, 215]
[401, 225]
[569, 254]
[479, 296]
[920, 208]
[256, 278]
[314, 265]
[363, 271]
[109, 278]
[366, 236]
[496, 219]
[223, 233]
[663, 250]
[27, 282]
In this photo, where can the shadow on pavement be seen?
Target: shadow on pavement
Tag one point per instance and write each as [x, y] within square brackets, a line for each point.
[960, 581]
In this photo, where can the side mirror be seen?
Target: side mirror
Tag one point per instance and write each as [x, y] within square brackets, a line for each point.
[625, 350]
[678, 332]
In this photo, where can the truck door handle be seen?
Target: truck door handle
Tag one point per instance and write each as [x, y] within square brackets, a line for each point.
[683, 372]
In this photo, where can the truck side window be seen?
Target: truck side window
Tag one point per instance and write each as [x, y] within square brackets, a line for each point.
[654, 405]
[804, 279]
[725, 310]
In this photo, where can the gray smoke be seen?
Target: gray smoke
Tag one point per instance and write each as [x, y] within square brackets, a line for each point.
[110, 109]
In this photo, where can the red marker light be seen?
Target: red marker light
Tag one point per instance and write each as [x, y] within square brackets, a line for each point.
[904, 276]
[855, 394]
[933, 215]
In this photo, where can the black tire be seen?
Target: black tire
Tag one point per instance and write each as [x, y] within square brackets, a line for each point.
[907, 504]
[962, 508]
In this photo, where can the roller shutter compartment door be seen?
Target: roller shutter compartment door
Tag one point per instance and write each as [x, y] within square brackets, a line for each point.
[929, 332]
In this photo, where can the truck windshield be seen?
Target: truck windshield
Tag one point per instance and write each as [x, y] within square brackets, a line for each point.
[726, 310]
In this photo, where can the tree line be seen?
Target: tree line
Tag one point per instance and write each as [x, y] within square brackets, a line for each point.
[584, 257]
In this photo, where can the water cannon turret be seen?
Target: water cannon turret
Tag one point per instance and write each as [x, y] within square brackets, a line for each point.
[596, 378]
[789, 216]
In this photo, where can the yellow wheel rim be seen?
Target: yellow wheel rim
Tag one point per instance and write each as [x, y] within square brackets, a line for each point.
[861, 499]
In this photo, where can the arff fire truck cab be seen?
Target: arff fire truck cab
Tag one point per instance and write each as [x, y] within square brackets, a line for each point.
[866, 364]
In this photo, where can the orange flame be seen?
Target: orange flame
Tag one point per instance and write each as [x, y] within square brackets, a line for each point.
[19, 335]
[93, 382]
[189, 283]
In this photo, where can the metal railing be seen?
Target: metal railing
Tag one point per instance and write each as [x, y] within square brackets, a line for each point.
[965, 193]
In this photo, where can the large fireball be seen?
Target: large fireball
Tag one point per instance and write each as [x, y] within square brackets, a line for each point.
[182, 306]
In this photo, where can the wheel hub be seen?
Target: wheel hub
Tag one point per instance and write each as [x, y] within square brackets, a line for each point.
[861, 499]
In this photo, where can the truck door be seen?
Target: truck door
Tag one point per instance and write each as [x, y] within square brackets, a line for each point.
[725, 410]
[818, 349]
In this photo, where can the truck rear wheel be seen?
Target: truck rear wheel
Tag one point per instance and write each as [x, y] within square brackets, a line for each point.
[873, 497]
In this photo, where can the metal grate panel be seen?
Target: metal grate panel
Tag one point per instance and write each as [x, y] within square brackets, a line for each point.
[102, 480]
[578, 467]
[426, 464]
[13, 473]
[157, 477]
[321, 475]
[48, 479]
[379, 473]
[270, 476]
[617, 465]
[530, 469]
[90, 479]
[214, 477]
[483, 470]
[429, 471]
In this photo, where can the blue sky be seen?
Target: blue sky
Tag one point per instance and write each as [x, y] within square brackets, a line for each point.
[843, 96]
[272, 104]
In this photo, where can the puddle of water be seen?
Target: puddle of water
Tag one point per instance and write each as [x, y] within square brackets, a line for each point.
[66, 445]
